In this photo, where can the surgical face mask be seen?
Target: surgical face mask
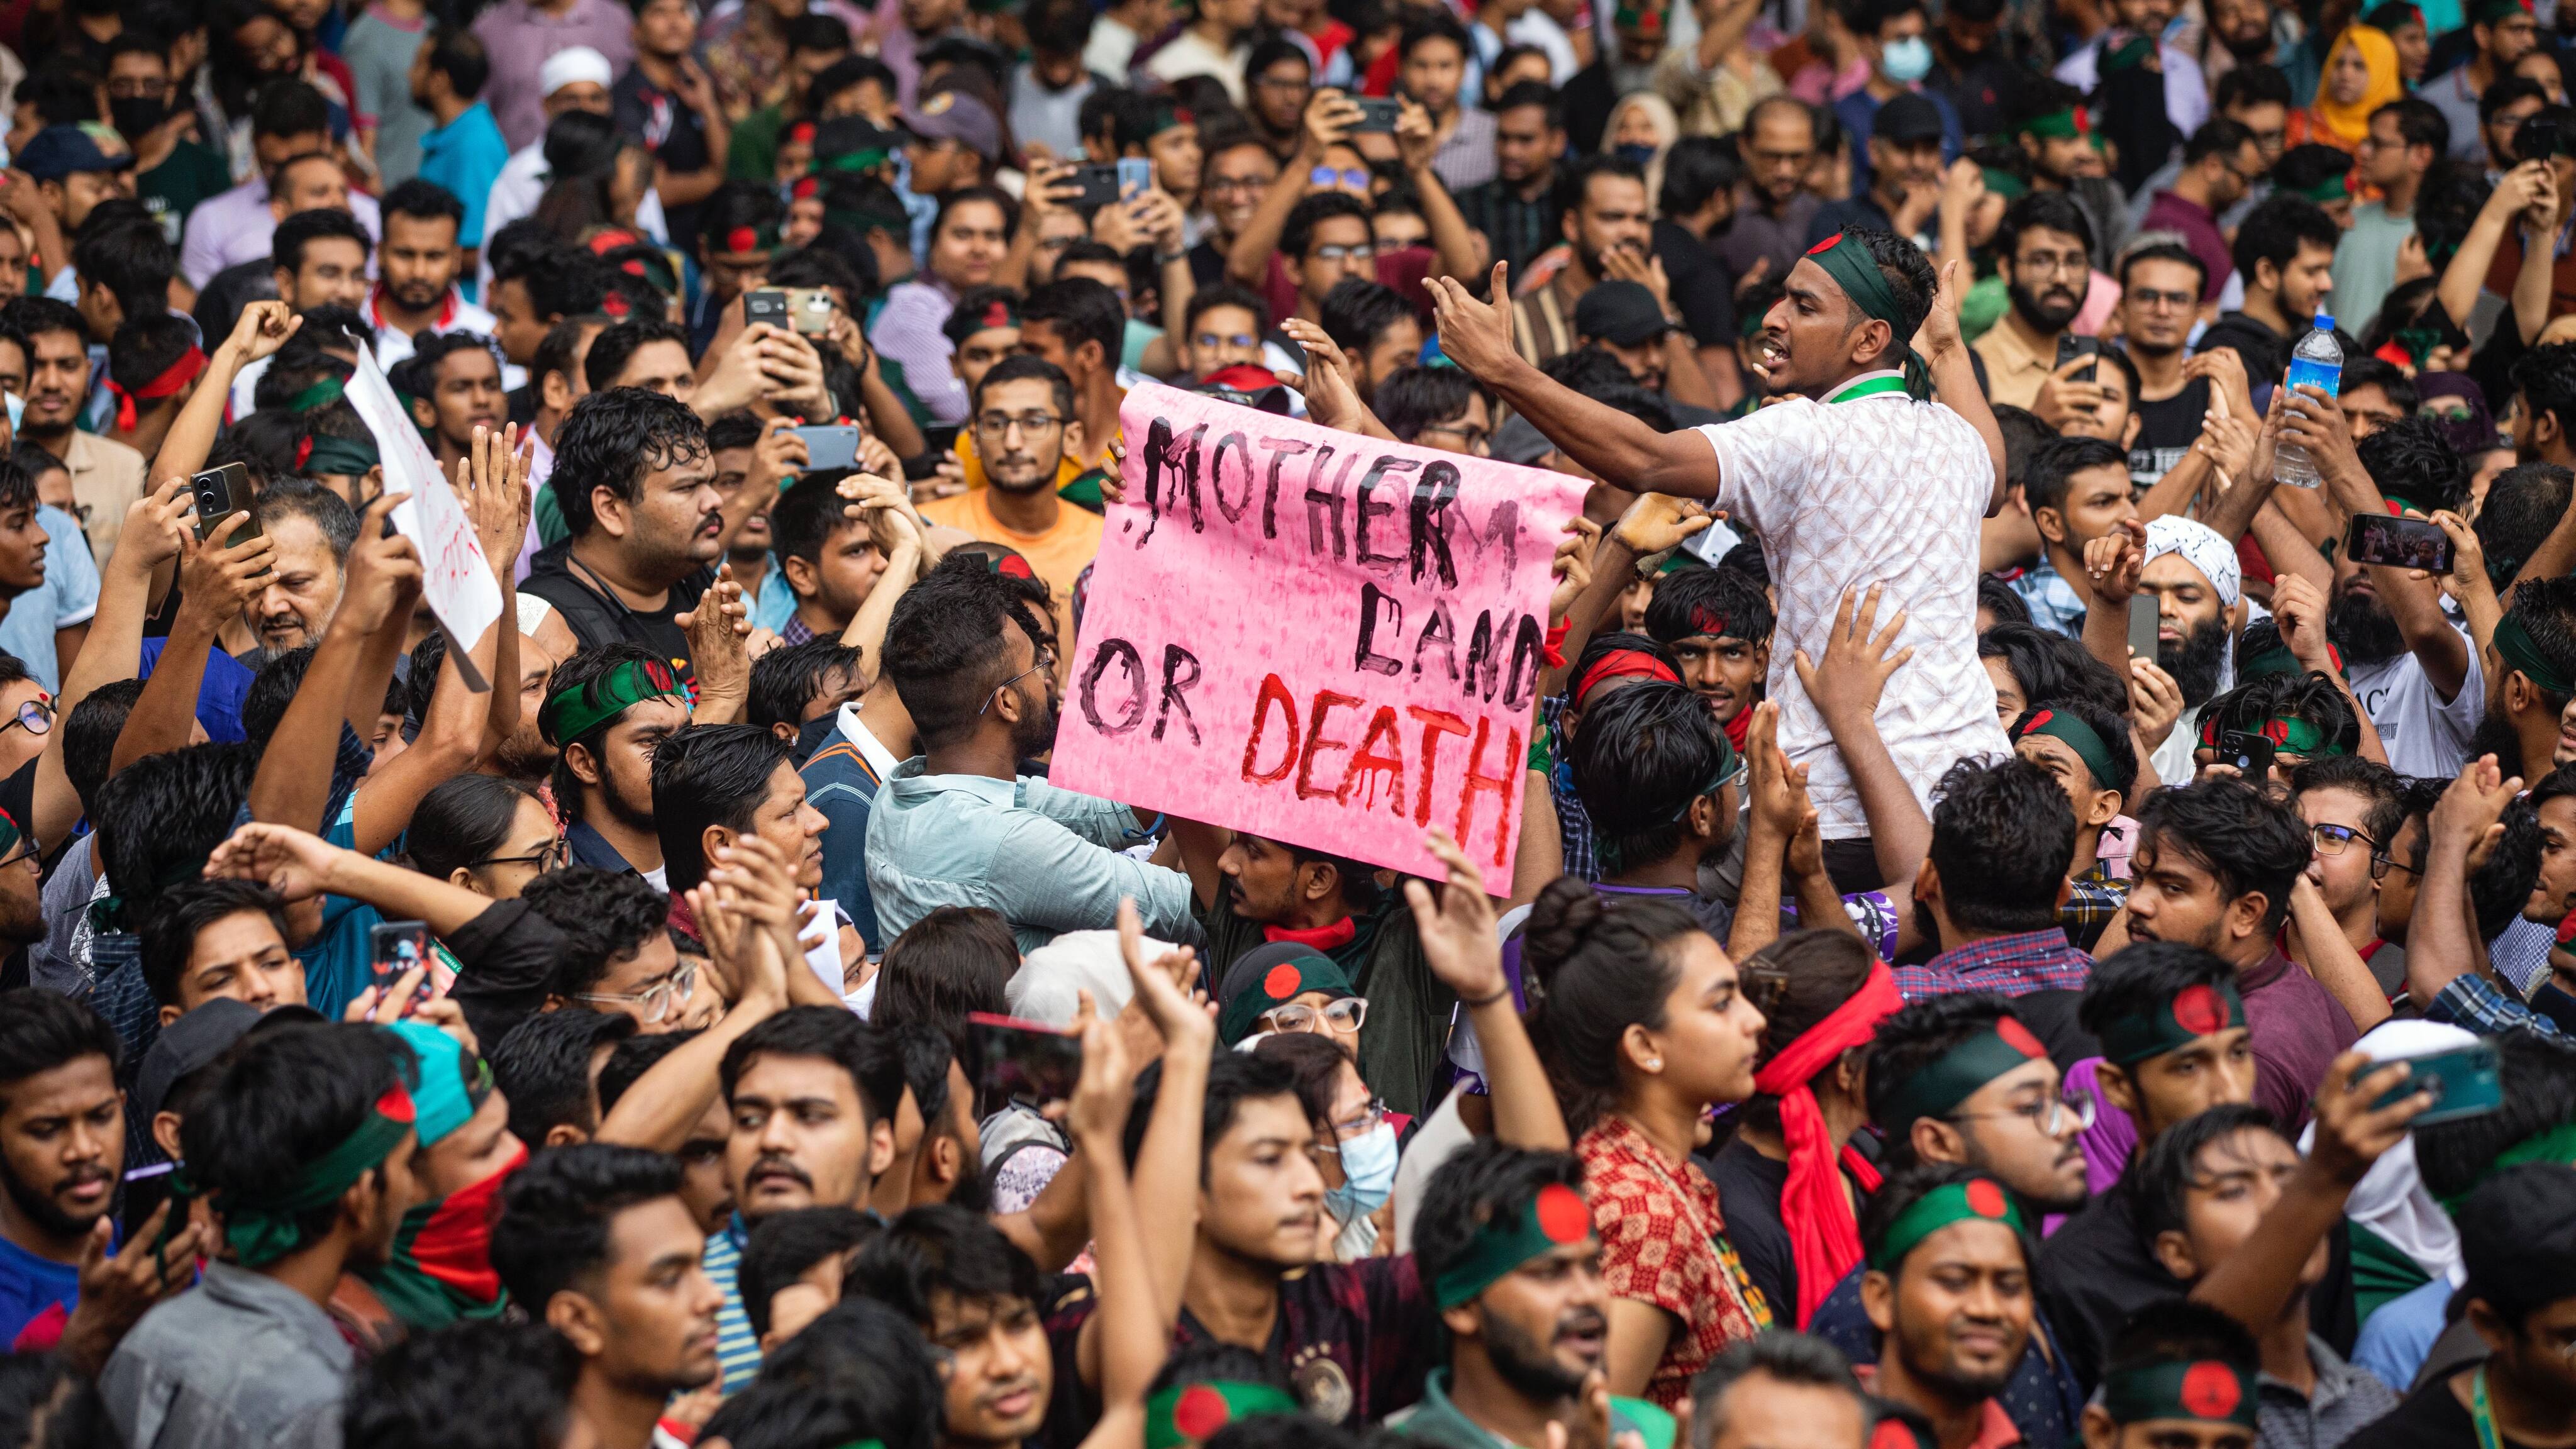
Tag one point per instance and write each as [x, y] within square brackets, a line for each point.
[1368, 1174]
[1640, 154]
[1907, 61]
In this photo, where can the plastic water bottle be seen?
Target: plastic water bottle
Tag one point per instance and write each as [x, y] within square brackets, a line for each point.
[2316, 362]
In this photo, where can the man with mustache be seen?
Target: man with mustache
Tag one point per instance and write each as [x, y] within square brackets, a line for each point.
[1718, 624]
[2042, 251]
[1959, 1081]
[2195, 576]
[1948, 1286]
[107, 476]
[646, 533]
[1505, 1240]
[2414, 671]
[1608, 227]
[313, 531]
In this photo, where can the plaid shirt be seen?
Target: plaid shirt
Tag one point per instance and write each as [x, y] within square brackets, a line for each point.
[2093, 900]
[2013, 965]
[1573, 826]
[2472, 1002]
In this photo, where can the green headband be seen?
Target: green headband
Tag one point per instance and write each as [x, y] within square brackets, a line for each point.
[1979, 1199]
[10, 834]
[2328, 191]
[1554, 1216]
[2076, 735]
[2515, 646]
[346, 456]
[577, 711]
[1311, 970]
[2005, 184]
[263, 1228]
[1191, 1413]
[2210, 1391]
[1851, 266]
[2288, 736]
[850, 163]
[2557, 1144]
[1957, 1074]
[2067, 123]
[322, 393]
[2198, 1010]
[2279, 660]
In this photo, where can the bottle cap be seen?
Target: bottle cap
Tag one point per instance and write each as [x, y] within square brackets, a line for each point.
[2325, 322]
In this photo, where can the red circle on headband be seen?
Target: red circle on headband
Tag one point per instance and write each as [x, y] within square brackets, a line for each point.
[1201, 1412]
[1562, 1214]
[742, 239]
[1282, 982]
[2200, 1010]
[2210, 1390]
[1986, 1198]
[1828, 244]
[395, 1104]
[2018, 1037]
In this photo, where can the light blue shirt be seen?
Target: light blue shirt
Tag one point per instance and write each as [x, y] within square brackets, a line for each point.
[1047, 859]
[465, 156]
[776, 603]
[2395, 1340]
[68, 596]
[2052, 601]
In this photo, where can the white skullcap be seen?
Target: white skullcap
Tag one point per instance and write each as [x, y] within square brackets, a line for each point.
[574, 63]
[2202, 548]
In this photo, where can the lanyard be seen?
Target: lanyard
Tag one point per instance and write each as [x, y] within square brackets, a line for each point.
[1868, 387]
[2487, 1437]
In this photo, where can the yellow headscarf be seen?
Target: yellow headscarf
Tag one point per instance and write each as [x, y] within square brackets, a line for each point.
[2346, 126]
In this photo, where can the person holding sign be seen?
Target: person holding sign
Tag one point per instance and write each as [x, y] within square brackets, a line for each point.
[1889, 485]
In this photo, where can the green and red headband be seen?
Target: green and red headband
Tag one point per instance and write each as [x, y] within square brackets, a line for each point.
[1958, 1074]
[1976, 1200]
[264, 1226]
[2288, 736]
[2209, 1391]
[1856, 272]
[2076, 735]
[1554, 1216]
[1193, 1413]
[572, 713]
[2068, 123]
[2198, 1010]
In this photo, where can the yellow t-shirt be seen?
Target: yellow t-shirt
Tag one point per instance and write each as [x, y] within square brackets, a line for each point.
[1058, 556]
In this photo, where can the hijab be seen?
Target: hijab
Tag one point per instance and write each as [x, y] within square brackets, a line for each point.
[2348, 125]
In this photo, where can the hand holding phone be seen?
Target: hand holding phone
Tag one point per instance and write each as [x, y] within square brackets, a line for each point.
[829, 446]
[765, 304]
[2146, 614]
[2406, 543]
[1378, 113]
[2249, 752]
[1021, 1061]
[2463, 1082]
[396, 947]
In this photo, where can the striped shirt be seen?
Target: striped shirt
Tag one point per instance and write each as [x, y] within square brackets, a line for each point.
[737, 1347]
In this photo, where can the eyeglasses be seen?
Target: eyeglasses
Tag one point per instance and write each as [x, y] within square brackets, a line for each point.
[555, 853]
[656, 1000]
[1360, 1126]
[1331, 253]
[36, 714]
[1474, 440]
[2331, 839]
[2155, 301]
[1035, 425]
[2041, 264]
[1344, 1015]
[28, 857]
[2381, 863]
[1213, 340]
[1324, 178]
[1046, 660]
[1228, 185]
[2049, 1114]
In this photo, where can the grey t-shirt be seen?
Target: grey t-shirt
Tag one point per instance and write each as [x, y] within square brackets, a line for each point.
[379, 52]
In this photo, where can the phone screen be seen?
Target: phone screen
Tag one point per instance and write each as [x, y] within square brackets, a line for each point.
[2406, 543]
[395, 947]
[1025, 1061]
[2145, 614]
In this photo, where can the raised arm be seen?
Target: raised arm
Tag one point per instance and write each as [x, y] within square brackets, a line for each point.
[1460, 945]
[1954, 375]
[2444, 945]
[151, 537]
[1452, 240]
[2312, 420]
[215, 583]
[294, 781]
[1329, 118]
[301, 865]
[658, 1111]
[1124, 1342]
[2467, 271]
[1846, 689]
[262, 328]
[896, 529]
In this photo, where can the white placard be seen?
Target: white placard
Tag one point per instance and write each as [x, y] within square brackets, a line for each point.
[455, 576]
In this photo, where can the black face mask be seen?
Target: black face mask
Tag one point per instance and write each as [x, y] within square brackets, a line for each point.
[137, 116]
[97, 9]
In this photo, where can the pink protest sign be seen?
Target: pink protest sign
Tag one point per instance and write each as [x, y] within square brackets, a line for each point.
[1314, 636]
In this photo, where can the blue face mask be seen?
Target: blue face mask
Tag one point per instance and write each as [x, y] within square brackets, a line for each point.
[1907, 61]
[1368, 1175]
[1641, 155]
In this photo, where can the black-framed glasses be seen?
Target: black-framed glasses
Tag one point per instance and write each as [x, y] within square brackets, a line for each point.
[37, 715]
[1034, 425]
[26, 855]
[554, 854]
[2381, 863]
[2335, 839]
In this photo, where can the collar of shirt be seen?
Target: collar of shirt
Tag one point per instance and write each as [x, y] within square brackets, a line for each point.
[912, 782]
[2335, 1380]
[870, 748]
[1996, 953]
[256, 1293]
[2262, 973]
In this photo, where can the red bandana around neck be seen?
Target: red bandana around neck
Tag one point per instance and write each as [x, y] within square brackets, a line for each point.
[1322, 938]
[1823, 1236]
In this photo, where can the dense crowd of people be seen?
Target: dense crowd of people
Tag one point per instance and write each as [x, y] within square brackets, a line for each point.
[2042, 900]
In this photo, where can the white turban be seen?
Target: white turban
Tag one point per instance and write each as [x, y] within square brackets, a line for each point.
[2202, 548]
[573, 63]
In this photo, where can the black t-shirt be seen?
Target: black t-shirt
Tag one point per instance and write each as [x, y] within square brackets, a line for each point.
[2166, 431]
[2431, 1418]
[597, 619]
[2094, 1273]
[1700, 284]
[671, 131]
[1748, 1194]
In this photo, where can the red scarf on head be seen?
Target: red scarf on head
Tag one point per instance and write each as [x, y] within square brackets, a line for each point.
[1823, 1236]
[174, 377]
[1617, 662]
[1322, 938]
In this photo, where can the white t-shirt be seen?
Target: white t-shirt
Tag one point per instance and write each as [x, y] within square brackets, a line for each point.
[1878, 489]
[2424, 734]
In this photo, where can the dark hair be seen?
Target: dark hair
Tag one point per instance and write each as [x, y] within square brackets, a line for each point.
[2523, 503]
[2419, 123]
[941, 1250]
[2120, 754]
[457, 53]
[1574, 179]
[89, 737]
[2003, 834]
[1298, 234]
[2389, 378]
[1689, 602]
[474, 1384]
[1470, 1187]
[144, 347]
[2217, 136]
[37, 314]
[1643, 755]
[328, 512]
[1779, 1355]
[606, 916]
[1825, 969]
[543, 1067]
[286, 249]
[1358, 312]
[2310, 697]
[786, 680]
[1904, 1188]
[954, 960]
[289, 108]
[44, 1030]
[2546, 378]
[1025, 367]
[1234, 1078]
[861, 1371]
[556, 1223]
[2049, 210]
[1080, 309]
[287, 1098]
[1695, 169]
[2138, 980]
[2165, 251]
[561, 281]
[782, 1246]
[134, 262]
[1908, 1041]
[2048, 665]
[171, 926]
[709, 775]
[2249, 842]
[944, 646]
[1592, 969]
[630, 1059]
[1422, 25]
[161, 816]
[2170, 1165]
[2054, 463]
[1413, 399]
[618, 343]
[2537, 1078]
[2274, 230]
[612, 439]
[828, 1034]
[462, 820]
[2178, 1330]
